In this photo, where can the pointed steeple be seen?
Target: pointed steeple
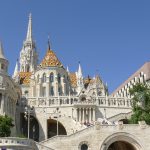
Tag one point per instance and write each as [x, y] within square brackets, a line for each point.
[79, 71]
[29, 31]
[67, 69]
[16, 71]
[1, 51]
[49, 45]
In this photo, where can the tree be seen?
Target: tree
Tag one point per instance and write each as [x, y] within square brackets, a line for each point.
[141, 103]
[5, 126]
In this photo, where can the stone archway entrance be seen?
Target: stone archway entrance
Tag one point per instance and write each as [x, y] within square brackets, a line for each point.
[121, 145]
[34, 127]
[121, 141]
[52, 128]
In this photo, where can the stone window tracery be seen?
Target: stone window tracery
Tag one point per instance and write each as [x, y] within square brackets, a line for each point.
[51, 77]
[44, 78]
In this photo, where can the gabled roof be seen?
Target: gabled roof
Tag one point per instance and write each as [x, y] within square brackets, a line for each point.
[50, 60]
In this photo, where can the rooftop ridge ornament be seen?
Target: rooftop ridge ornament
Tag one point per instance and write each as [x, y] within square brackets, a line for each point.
[49, 46]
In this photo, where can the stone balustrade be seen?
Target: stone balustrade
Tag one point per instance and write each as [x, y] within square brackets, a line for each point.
[13, 142]
[74, 101]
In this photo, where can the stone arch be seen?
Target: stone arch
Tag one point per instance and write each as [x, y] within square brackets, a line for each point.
[84, 144]
[52, 128]
[34, 127]
[122, 137]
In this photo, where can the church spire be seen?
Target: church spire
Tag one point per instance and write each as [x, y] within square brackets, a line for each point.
[80, 71]
[16, 70]
[29, 31]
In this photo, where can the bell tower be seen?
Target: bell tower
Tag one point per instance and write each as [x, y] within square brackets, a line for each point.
[28, 55]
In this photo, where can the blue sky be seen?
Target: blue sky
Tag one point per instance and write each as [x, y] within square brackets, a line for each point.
[109, 37]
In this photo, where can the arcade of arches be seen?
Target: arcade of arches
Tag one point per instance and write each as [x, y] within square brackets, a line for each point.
[121, 145]
[52, 128]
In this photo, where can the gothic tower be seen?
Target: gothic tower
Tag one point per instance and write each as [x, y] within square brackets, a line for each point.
[28, 55]
[3, 61]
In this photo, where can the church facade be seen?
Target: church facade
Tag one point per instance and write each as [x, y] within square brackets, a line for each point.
[61, 110]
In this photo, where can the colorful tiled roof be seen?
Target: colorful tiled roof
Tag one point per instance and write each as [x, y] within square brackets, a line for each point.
[73, 79]
[50, 60]
[25, 77]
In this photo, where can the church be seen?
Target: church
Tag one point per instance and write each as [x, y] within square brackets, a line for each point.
[55, 109]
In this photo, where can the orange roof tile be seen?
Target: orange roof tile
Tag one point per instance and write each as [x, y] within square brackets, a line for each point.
[25, 77]
[50, 60]
[73, 79]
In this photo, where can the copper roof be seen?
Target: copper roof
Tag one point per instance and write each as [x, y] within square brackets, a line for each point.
[50, 60]
[25, 77]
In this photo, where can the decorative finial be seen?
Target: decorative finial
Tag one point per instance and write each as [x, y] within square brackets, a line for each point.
[49, 46]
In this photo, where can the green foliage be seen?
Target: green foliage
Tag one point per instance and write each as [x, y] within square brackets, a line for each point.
[141, 103]
[5, 126]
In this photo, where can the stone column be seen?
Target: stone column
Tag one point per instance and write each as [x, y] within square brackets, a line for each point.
[47, 89]
[80, 115]
[87, 115]
[90, 119]
[42, 128]
[93, 114]
[83, 116]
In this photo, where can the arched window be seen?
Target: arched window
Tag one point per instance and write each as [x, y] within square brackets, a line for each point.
[84, 147]
[60, 91]
[26, 93]
[44, 92]
[44, 78]
[59, 78]
[51, 77]
[52, 91]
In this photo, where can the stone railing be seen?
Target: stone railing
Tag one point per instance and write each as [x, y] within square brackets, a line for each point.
[12, 142]
[42, 147]
[74, 101]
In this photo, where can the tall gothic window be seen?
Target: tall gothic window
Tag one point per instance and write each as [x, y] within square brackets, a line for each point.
[44, 78]
[59, 78]
[60, 91]
[51, 77]
[44, 91]
[52, 91]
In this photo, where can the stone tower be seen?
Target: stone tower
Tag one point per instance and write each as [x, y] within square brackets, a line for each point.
[28, 55]
[3, 61]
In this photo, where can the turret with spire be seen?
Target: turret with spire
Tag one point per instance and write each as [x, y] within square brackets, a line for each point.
[28, 55]
[3, 60]
[79, 75]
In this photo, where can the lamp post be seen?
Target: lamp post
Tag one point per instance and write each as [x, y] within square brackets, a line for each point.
[57, 109]
[28, 111]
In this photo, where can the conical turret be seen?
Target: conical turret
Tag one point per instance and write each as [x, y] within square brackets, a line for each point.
[3, 60]
[1, 51]
[16, 70]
